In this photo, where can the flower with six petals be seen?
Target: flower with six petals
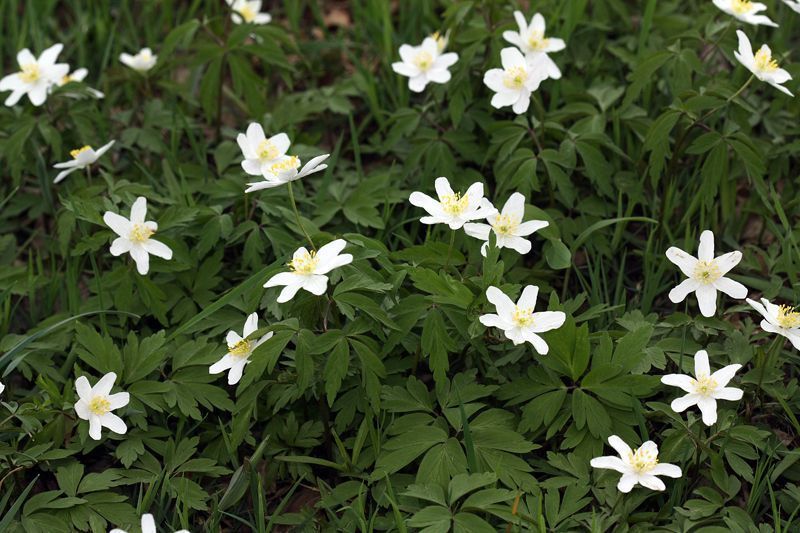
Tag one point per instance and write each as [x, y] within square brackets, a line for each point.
[638, 466]
[508, 227]
[424, 64]
[239, 350]
[516, 81]
[135, 236]
[452, 208]
[96, 403]
[308, 270]
[81, 158]
[761, 64]
[746, 11]
[141, 62]
[531, 41]
[780, 319]
[35, 76]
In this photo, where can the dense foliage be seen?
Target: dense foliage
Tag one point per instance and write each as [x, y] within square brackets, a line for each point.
[385, 404]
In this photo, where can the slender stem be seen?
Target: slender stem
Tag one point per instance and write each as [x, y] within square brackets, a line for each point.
[450, 249]
[297, 217]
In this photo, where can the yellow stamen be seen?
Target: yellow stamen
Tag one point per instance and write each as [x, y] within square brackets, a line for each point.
[423, 60]
[441, 40]
[523, 316]
[537, 40]
[140, 233]
[787, 317]
[704, 385]
[100, 405]
[241, 348]
[304, 264]
[247, 13]
[764, 61]
[515, 77]
[78, 151]
[642, 460]
[30, 73]
[505, 224]
[454, 204]
[267, 150]
[741, 7]
[707, 272]
[287, 164]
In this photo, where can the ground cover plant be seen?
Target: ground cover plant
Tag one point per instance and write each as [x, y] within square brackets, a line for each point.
[399, 266]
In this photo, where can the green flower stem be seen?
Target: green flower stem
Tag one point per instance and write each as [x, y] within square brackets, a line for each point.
[297, 217]
[450, 248]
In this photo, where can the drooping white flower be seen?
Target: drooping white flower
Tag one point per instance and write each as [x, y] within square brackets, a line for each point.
[514, 83]
[239, 350]
[81, 158]
[531, 41]
[518, 321]
[706, 275]
[79, 75]
[705, 388]
[441, 40]
[248, 11]
[761, 64]
[143, 61]
[35, 77]
[746, 11]
[309, 269]
[793, 4]
[424, 64]
[96, 403]
[508, 227]
[148, 526]
[780, 319]
[135, 236]
[285, 171]
[261, 153]
[638, 466]
[452, 208]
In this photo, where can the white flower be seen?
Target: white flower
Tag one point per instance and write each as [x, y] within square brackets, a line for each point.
[285, 171]
[782, 320]
[424, 64]
[96, 403]
[259, 152]
[148, 526]
[134, 236]
[746, 11]
[507, 226]
[81, 158]
[309, 269]
[518, 321]
[441, 40]
[706, 275]
[452, 208]
[35, 76]
[705, 388]
[141, 62]
[515, 82]
[2, 388]
[794, 4]
[532, 42]
[248, 11]
[79, 75]
[636, 466]
[239, 351]
[761, 64]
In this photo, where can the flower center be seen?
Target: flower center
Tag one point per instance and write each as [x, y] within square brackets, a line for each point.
[66, 79]
[267, 150]
[523, 316]
[247, 13]
[241, 348]
[140, 233]
[537, 40]
[78, 151]
[100, 405]
[30, 73]
[787, 317]
[441, 41]
[304, 264]
[741, 7]
[145, 55]
[704, 385]
[515, 77]
[287, 164]
[454, 204]
[764, 61]
[423, 60]
[707, 272]
[505, 224]
[642, 460]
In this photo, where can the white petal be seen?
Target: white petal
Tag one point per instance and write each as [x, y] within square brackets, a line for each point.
[118, 400]
[157, 248]
[732, 288]
[627, 482]
[316, 284]
[288, 293]
[729, 393]
[222, 365]
[651, 482]
[619, 446]
[114, 423]
[684, 261]
[528, 297]
[538, 343]
[609, 462]
[250, 325]
[727, 261]
[139, 210]
[707, 299]
[95, 427]
[679, 380]
[682, 403]
[83, 388]
[283, 278]
[236, 371]
[708, 407]
[701, 366]
[725, 374]
[141, 258]
[104, 385]
[503, 304]
[548, 320]
[683, 289]
[667, 469]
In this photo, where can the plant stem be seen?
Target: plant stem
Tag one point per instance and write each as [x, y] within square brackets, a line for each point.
[297, 217]
[450, 249]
